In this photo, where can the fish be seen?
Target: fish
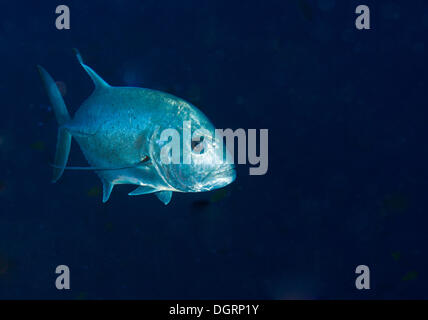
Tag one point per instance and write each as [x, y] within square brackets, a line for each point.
[118, 130]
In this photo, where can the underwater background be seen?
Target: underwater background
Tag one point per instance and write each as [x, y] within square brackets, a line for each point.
[347, 181]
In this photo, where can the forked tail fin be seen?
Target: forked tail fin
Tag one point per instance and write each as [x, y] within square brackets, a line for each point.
[62, 116]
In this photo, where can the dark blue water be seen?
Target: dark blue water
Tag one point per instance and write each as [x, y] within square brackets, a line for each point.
[347, 179]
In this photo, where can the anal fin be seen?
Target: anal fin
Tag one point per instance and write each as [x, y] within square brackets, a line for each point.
[164, 196]
[107, 188]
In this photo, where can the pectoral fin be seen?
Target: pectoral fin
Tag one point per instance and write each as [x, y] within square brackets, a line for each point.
[142, 190]
[164, 196]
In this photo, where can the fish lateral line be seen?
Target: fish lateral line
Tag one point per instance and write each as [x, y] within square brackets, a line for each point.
[93, 168]
[144, 161]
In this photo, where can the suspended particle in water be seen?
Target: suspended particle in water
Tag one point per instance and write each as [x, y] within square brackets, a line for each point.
[326, 5]
[306, 9]
[38, 145]
[94, 191]
[411, 275]
[4, 265]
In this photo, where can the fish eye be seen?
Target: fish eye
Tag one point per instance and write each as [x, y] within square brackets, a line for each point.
[198, 146]
[144, 159]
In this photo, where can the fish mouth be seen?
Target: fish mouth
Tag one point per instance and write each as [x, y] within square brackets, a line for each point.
[224, 171]
[225, 176]
[216, 179]
[228, 169]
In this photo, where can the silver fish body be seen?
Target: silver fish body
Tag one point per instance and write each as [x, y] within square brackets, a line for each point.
[119, 131]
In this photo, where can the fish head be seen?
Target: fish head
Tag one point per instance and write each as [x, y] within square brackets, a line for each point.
[203, 164]
[210, 167]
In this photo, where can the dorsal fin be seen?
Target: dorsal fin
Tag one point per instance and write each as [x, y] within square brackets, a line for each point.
[98, 81]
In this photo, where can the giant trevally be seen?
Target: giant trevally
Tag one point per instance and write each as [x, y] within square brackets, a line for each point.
[118, 130]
